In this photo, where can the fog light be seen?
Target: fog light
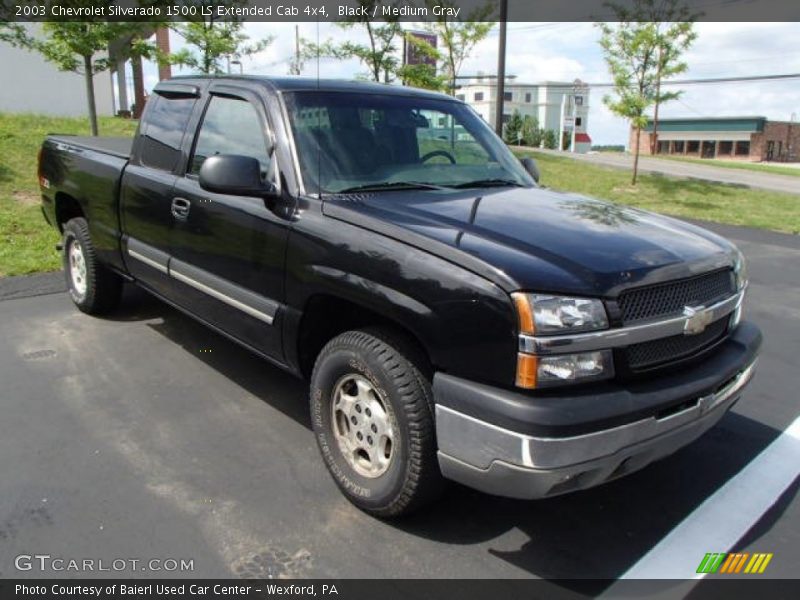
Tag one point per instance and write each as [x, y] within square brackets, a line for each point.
[573, 368]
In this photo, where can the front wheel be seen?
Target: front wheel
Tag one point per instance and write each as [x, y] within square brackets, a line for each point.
[93, 288]
[372, 414]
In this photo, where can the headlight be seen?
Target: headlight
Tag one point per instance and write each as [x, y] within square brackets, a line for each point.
[542, 371]
[740, 271]
[547, 315]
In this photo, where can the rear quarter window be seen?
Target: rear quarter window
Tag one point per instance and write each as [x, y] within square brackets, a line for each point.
[165, 125]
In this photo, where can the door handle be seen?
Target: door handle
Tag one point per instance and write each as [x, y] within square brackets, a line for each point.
[180, 208]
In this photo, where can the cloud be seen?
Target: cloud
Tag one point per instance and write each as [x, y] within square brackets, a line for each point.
[566, 51]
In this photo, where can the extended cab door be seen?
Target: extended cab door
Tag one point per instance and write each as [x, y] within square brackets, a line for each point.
[228, 251]
[146, 189]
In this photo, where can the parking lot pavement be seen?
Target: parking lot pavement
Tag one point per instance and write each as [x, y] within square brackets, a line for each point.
[144, 435]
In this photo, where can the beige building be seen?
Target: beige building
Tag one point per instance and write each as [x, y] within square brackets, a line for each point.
[33, 85]
[555, 104]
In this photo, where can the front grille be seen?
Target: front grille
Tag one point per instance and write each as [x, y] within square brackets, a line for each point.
[655, 353]
[669, 299]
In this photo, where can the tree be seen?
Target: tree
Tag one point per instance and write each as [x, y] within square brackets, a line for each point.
[81, 47]
[12, 33]
[550, 139]
[214, 39]
[531, 132]
[640, 53]
[512, 134]
[423, 74]
[459, 38]
[379, 55]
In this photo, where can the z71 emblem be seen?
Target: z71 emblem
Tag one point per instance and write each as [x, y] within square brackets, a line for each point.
[697, 319]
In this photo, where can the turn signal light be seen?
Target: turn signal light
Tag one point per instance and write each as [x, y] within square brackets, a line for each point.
[527, 368]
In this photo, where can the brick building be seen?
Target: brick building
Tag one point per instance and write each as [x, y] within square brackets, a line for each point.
[742, 138]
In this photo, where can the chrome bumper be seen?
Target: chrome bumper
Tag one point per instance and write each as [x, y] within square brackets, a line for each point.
[506, 463]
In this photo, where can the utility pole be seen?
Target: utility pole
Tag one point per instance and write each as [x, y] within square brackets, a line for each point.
[501, 69]
[296, 65]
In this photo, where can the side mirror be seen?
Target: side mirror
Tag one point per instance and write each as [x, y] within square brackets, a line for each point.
[531, 167]
[233, 174]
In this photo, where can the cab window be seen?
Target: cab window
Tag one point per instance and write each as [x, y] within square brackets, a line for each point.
[230, 126]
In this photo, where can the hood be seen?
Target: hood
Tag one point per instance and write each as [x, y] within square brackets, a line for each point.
[541, 240]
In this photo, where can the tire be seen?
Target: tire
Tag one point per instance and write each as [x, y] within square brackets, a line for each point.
[375, 369]
[93, 288]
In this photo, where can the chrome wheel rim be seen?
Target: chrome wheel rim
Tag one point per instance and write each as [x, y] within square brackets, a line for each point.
[363, 425]
[77, 268]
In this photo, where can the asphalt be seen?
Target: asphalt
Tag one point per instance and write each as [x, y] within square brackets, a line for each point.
[144, 435]
[739, 177]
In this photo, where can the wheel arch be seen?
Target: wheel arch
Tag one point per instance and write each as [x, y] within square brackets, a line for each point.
[326, 315]
[67, 207]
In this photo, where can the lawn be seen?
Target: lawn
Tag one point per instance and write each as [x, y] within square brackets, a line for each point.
[680, 197]
[26, 241]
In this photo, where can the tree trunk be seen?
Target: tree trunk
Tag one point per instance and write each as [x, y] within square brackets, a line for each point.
[654, 135]
[636, 155]
[88, 76]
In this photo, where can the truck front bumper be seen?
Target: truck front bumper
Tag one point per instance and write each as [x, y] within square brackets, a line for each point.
[533, 446]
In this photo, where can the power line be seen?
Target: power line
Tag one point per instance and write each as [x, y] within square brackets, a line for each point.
[696, 81]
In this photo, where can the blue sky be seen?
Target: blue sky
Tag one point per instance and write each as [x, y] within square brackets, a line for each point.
[566, 51]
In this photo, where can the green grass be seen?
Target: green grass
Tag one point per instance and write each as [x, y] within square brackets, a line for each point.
[680, 197]
[26, 241]
[732, 164]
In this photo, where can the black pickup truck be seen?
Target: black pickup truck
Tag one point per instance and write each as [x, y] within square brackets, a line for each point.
[455, 319]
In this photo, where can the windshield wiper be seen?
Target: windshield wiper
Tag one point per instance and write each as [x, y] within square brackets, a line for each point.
[485, 183]
[391, 185]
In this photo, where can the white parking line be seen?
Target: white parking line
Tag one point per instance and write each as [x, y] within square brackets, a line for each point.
[725, 516]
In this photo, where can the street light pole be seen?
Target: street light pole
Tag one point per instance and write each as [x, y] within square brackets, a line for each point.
[501, 69]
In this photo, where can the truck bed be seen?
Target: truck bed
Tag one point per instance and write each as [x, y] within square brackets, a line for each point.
[116, 146]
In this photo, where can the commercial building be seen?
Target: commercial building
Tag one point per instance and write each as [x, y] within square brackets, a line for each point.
[739, 138]
[33, 85]
[556, 105]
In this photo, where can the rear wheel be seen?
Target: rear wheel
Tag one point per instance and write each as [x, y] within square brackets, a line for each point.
[93, 288]
[372, 414]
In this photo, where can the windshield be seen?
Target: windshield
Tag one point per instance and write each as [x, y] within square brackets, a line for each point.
[349, 142]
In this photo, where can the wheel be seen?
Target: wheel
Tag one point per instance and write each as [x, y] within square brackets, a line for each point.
[442, 153]
[93, 288]
[372, 415]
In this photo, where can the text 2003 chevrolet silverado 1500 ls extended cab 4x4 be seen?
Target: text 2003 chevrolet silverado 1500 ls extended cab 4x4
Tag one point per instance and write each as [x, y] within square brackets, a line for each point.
[456, 320]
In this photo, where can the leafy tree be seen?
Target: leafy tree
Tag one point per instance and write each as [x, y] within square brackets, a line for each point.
[531, 132]
[423, 75]
[550, 139]
[81, 47]
[12, 33]
[643, 48]
[213, 39]
[512, 134]
[379, 55]
[459, 38]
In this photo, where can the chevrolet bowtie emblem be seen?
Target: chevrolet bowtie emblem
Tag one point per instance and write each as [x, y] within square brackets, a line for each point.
[697, 319]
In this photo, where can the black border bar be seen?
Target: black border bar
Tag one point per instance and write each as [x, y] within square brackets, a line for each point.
[402, 10]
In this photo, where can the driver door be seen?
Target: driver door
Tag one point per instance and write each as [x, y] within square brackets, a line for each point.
[228, 251]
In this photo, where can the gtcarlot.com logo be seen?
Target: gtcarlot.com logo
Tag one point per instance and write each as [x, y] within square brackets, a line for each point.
[734, 562]
[46, 562]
